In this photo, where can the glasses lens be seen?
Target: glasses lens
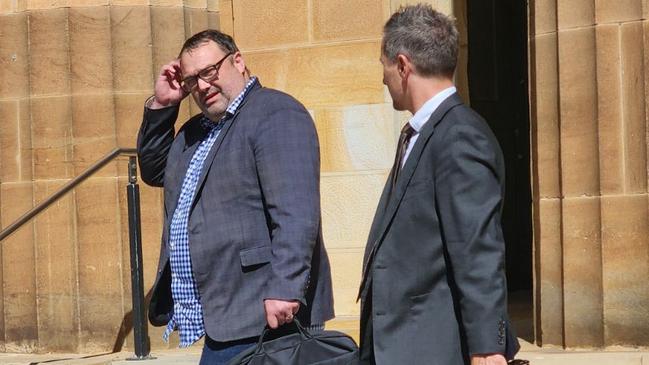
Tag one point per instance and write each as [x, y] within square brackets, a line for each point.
[188, 84]
[210, 73]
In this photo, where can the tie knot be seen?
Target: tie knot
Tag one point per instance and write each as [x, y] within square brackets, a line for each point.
[407, 131]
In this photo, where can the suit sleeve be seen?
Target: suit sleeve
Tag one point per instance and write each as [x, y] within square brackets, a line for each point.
[288, 166]
[469, 198]
[153, 143]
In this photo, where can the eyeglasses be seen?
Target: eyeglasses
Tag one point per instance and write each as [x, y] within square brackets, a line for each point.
[208, 74]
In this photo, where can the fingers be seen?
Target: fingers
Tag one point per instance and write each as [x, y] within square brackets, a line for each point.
[272, 321]
[171, 74]
[279, 312]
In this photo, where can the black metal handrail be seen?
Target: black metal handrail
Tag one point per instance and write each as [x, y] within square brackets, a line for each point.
[140, 330]
[64, 189]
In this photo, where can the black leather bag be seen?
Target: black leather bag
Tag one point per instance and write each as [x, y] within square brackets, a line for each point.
[301, 348]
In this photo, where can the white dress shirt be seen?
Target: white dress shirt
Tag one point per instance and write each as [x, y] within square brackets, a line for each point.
[422, 115]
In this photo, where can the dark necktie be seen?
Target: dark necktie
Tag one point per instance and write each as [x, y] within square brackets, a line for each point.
[406, 133]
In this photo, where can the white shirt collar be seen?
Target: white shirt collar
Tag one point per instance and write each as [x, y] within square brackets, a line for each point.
[423, 114]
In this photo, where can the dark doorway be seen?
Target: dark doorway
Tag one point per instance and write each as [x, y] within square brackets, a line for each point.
[498, 89]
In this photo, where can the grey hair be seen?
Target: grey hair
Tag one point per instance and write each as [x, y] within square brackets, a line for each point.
[426, 36]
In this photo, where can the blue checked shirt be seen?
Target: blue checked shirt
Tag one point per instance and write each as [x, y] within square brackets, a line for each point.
[188, 312]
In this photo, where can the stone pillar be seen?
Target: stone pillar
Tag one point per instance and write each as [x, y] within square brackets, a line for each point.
[588, 118]
[74, 78]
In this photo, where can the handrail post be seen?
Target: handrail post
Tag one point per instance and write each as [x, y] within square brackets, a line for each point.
[140, 329]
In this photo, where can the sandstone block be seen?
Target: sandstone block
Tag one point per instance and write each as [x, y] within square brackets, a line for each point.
[88, 3]
[100, 263]
[52, 137]
[445, 6]
[56, 271]
[345, 74]
[47, 4]
[339, 19]
[582, 273]
[15, 141]
[226, 17]
[196, 4]
[91, 72]
[93, 131]
[617, 11]
[167, 35]
[213, 5]
[578, 106]
[346, 267]
[131, 53]
[196, 20]
[128, 3]
[549, 275]
[633, 107]
[609, 111]
[18, 269]
[213, 20]
[576, 13]
[348, 206]
[545, 114]
[356, 137]
[267, 23]
[49, 62]
[625, 267]
[166, 3]
[544, 18]
[128, 117]
[14, 56]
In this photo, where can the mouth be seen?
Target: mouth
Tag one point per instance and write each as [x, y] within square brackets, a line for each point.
[211, 96]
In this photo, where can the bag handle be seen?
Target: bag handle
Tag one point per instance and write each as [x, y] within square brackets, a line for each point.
[303, 332]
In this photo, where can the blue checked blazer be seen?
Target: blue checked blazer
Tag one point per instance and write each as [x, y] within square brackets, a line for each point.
[254, 226]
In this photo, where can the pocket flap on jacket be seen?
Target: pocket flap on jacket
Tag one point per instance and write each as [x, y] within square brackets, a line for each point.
[255, 255]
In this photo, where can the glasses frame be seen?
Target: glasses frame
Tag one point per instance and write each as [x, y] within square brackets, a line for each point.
[189, 83]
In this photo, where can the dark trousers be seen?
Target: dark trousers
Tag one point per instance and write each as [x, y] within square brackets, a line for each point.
[219, 353]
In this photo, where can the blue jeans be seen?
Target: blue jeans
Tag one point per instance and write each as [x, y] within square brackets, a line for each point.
[219, 353]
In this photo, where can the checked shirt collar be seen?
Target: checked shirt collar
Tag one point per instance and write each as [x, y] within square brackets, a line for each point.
[188, 312]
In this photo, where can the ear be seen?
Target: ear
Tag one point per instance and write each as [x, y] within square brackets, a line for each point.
[239, 62]
[404, 66]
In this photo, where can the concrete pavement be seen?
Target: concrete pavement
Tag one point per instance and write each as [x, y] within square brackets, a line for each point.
[190, 356]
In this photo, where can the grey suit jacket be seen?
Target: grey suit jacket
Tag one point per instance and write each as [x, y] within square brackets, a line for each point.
[435, 254]
[254, 226]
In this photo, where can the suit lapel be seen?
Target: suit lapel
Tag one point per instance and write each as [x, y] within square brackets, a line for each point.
[191, 144]
[391, 200]
[207, 165]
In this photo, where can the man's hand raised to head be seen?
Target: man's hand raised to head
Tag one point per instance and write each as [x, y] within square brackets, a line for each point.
[488, 359]
[167, 88]
[279, 312]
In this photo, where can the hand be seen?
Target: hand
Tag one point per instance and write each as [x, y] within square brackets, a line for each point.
[167, 88]
[488, 359]
[279, 312]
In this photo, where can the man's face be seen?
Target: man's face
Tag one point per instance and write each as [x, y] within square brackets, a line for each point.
[392, 80]
[214, 97]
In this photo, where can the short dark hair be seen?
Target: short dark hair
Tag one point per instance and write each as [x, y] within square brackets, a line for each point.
[428, 37]
[224, 41]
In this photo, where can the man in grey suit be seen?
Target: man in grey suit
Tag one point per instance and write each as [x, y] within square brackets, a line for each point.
[242, 243]
[433, 289]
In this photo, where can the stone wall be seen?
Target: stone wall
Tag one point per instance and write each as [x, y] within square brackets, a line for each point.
[589, 129]
[73, 79]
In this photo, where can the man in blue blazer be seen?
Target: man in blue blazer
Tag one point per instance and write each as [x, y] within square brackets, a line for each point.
[242, 242]
[433, 289]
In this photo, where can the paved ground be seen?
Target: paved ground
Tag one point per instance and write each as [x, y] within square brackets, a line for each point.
[536, 355]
